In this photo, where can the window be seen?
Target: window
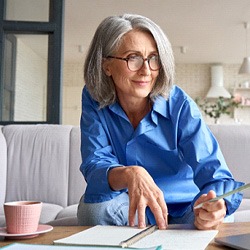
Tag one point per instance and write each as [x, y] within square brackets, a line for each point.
[31, 65]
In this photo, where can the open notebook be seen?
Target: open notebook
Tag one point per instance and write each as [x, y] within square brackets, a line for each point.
[172, 238]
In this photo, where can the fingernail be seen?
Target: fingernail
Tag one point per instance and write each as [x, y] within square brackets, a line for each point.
[162, 226]
[141, 225]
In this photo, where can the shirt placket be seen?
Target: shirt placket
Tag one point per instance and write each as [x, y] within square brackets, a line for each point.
[132, 145]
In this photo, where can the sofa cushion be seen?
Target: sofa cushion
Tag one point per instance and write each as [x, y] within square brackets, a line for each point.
[69, 211]
[242, 216]
[3, 164]
[2, 221]
[245, 205]
[243, 213]
[68, 221]
[77, 184]
[2, 217]
[49, 212]
[38, 163]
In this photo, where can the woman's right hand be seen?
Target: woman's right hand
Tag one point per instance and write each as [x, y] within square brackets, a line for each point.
[143, 193]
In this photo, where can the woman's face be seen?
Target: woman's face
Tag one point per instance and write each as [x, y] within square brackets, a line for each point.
[138, 84]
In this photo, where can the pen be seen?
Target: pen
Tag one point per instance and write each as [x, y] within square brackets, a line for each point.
[225, 195]
[138, 236]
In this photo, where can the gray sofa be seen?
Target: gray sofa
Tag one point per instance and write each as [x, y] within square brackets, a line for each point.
[41, 162]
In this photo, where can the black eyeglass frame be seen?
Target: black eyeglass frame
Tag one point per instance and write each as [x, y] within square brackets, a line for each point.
[144, 59]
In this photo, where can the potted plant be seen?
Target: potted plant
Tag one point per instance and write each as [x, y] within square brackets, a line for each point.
[218, 107]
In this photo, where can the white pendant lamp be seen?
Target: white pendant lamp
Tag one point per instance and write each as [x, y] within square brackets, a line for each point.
[245, 67]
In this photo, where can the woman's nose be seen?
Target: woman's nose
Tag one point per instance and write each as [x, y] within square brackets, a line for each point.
[145, 69]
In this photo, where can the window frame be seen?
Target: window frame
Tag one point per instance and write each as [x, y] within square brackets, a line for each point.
[54, 29]
[11, 85]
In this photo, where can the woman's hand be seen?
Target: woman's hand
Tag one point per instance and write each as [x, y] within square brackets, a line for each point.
[211, 214]
[143, 192]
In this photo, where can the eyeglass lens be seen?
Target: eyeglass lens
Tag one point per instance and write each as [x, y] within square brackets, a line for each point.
[136, 63]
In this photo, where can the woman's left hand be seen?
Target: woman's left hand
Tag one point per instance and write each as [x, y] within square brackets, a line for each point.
[211, 214]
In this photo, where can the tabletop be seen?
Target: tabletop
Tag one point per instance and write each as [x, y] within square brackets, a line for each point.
[59, 232]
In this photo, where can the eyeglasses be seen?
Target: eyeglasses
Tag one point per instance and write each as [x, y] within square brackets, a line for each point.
[135, 63]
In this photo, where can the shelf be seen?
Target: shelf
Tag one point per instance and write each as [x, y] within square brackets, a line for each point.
[241, 89]
[244, 106]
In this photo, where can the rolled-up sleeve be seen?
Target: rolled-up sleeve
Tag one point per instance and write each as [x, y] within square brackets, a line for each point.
[97, 157]
[201, 151]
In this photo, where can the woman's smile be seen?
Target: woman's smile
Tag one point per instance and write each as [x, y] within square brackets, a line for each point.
[141, 82]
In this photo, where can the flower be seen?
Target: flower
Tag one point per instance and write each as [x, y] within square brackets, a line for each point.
[221, 105]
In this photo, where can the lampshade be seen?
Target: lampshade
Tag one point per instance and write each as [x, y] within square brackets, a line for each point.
[245, 67]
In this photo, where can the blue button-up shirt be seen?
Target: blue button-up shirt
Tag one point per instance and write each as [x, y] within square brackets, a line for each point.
[172, 142]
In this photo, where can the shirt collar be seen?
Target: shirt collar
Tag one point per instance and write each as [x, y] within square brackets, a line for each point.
[161, 106]
[117, 109]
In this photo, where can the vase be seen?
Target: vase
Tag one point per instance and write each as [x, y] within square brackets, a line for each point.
[216, 121]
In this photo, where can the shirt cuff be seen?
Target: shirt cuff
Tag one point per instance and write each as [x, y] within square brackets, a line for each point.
[222, 187]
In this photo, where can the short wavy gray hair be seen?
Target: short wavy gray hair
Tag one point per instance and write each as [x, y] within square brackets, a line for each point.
[106, 41]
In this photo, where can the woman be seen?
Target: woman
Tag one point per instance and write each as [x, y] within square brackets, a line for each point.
[148, 156]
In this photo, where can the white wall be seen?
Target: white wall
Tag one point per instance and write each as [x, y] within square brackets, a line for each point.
[72, 90]
[195, 79]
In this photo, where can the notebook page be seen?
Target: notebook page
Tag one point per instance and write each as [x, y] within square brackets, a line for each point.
[100, 236]
[178, 239]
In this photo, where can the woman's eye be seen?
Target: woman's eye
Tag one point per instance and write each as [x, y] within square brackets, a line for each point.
[132, 58]
[155, 57]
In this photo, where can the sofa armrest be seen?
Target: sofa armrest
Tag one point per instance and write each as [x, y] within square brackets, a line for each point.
[3, 167]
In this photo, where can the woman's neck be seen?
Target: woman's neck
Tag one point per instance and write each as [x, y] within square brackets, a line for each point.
[136, 111]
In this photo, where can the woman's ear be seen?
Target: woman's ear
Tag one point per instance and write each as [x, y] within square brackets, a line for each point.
[106, 67]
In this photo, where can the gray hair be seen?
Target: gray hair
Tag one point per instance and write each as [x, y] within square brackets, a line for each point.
[106, 41]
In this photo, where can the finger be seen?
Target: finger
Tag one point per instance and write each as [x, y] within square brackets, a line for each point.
[211, 194]
[214, 214]
[141, 215]
[205, 197]
[215, 206]
[165, 215]
[205, 220]
[164, 209]
[131, 213]
[206, 225]
[163, 220]
[201, 199]
[158, 214]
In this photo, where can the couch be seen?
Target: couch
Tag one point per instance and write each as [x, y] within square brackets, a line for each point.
[41, 162]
